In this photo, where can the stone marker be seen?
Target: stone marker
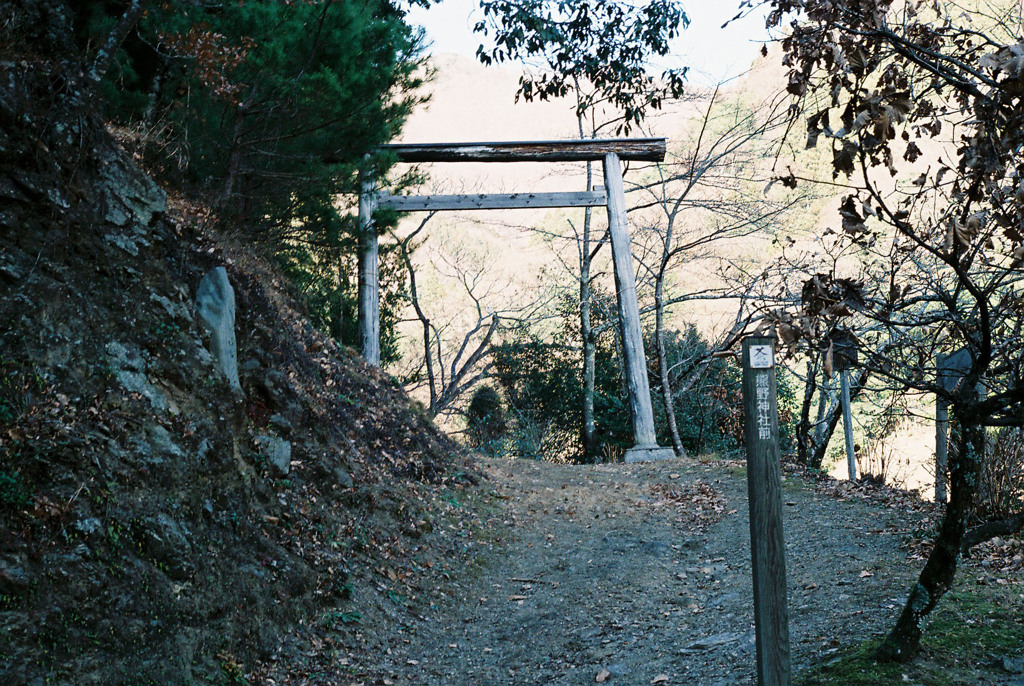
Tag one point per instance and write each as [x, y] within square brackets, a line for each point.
[215, 304]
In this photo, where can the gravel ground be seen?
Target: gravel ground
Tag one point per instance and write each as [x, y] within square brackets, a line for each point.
[640, 574]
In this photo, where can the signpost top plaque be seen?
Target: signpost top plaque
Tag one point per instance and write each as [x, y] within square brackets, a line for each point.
[761, 357]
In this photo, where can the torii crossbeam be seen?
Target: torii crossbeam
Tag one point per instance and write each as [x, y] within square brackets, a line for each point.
[609, 151]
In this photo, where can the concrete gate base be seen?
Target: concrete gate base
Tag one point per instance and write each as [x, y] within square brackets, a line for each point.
[649, 453]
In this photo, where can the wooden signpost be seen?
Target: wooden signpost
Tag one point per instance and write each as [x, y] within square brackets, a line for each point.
[951, 368]
[767, 547]
[844, 350]
[851, 456]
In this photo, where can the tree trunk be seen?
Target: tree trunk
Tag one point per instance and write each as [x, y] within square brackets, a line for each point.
[666, 383]
[826, 402]
[804, 440]
[149, 115]
[904, 640]
[989, 530]
[234, 160]
[414, 298]
[587, 335]
[338, 325]
[827, 425]
[105, 56]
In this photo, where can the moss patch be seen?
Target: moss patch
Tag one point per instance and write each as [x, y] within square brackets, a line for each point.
[975, 628]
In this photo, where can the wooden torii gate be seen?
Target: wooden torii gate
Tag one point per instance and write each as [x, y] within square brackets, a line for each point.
[610, 152]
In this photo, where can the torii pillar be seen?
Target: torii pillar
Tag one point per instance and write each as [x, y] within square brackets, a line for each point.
[645, 443]
[610, 152]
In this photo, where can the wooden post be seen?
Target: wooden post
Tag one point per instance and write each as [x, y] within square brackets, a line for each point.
[941, 448]
[950, 369]
[369, 275]
[645, 442]
[767, 547]
[851, 458]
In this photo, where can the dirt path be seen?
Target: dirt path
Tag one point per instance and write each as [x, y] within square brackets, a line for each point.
[635, 572]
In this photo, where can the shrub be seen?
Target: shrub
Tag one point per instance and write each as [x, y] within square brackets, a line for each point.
[13, 493]
[1001, 486]
[485, 420]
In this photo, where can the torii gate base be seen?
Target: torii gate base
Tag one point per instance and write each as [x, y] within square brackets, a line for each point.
[648, 454]
[608, 151]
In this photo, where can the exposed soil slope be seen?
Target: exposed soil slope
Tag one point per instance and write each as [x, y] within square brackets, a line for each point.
[145, 536]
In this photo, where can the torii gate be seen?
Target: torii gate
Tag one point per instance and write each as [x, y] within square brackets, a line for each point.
[609, 151]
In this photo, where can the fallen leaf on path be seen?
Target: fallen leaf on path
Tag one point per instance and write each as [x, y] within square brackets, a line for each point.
[602, 675]
[699, 502]
[865, 573]
[660, 679]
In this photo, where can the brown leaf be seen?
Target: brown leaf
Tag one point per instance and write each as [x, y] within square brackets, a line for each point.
[828, 361]
[843, 159]
[912, 152]
[853, 222]
[838, 310]
[1009, 59]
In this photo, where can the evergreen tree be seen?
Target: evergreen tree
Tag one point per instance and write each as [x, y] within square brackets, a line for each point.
[271, 109]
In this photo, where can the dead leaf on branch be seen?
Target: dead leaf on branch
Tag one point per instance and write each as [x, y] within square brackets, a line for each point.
[788, 181]
[822, 292]
[843, 159]
[789, 328]
[912, 152]
[1007, 60]
[858, 60]
[1018, 255]
[882, 112]
[816, 125]
[961, 235]
[853, 222]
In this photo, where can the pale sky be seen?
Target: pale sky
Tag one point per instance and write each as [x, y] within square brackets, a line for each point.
[713, 54]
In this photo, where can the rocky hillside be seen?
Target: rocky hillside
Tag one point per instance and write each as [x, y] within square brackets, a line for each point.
[158, 525]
